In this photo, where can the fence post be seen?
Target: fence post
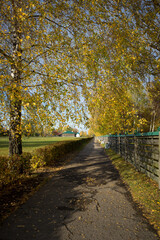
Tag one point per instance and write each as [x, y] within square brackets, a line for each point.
[125, 148]
[159, 162]
[119, 151]
[135, 152]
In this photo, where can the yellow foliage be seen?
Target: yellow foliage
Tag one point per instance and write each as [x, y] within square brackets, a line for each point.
[37, 162]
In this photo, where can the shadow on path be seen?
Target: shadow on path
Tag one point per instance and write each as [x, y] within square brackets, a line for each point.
[69, 194]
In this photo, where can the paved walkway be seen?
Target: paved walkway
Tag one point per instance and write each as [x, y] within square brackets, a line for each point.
[85, 200]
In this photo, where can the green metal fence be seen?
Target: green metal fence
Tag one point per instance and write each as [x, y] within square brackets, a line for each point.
[140, 149]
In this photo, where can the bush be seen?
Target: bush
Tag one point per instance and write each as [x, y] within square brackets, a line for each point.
[25, 163]
[20, 164]
[4, 171]
[52, 155]
[37, 162]
[12, 167]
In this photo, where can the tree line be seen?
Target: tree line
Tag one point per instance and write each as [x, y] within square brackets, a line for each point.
[95, 62]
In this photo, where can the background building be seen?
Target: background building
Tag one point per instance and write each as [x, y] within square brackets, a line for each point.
[68, 134]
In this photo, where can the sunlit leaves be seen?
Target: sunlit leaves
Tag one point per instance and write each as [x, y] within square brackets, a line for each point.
[49, 68]
[103, 50]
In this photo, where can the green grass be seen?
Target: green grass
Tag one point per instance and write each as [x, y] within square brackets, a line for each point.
[31, 143]
[143, 189]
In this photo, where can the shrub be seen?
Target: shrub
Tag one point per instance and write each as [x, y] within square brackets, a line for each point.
[25, 163]
[12, 167]
[52, 155]
[20, 164]
[37, 162]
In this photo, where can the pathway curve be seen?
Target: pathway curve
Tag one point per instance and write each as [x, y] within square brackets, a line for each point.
[85, 200]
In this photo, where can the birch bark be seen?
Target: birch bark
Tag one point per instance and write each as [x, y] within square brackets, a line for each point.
[15, 133]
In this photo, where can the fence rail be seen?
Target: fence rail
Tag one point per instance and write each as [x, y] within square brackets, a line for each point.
[141, 150]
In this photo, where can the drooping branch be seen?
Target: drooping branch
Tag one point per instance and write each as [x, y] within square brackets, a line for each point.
[59, 25]
[9, 58]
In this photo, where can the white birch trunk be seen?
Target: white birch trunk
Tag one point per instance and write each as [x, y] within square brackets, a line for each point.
[15, 140]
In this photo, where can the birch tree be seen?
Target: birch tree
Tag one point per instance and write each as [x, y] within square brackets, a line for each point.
[128, 56]
[53, 52]
[40, 69]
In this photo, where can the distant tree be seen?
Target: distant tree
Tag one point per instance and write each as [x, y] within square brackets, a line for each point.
[91, 133]
[154, 96]
[83, 134]
[75, 130]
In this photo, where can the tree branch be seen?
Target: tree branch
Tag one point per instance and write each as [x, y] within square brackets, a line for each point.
[59, 25]
[6, 56]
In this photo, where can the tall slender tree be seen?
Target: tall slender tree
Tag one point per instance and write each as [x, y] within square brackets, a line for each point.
[37, 47]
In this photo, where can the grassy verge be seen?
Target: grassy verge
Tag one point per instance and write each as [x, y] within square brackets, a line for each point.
[144, 190]
[31, 143]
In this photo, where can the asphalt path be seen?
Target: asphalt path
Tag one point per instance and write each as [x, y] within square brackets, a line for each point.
[84, 200]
